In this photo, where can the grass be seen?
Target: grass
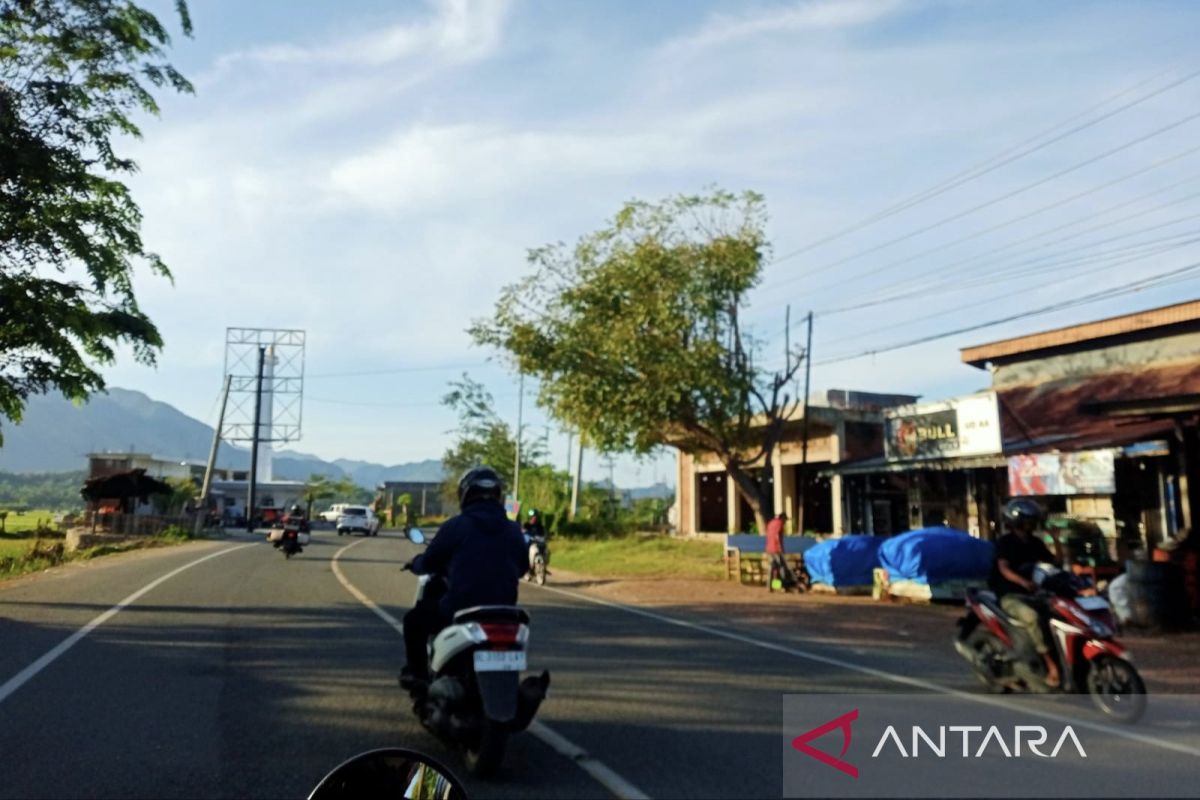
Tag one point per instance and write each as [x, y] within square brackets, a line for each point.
[27, 521]
[638, 556]
[14, 547]
[26, 555]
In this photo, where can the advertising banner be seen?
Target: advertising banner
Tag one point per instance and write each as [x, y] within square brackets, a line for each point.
[960, 427]
[1043, 474]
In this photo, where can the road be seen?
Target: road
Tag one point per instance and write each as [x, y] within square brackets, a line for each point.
[240, 674]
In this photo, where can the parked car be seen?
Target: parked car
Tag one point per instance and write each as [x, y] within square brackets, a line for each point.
[333, 513]
[357, 519]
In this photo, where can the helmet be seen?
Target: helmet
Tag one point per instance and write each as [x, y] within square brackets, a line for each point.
[1022, 510]
[533, 512]
[479, 483]
[296, 509]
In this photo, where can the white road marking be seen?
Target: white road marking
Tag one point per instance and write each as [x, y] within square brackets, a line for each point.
[915, 683]
[601, 772]
[22, 677]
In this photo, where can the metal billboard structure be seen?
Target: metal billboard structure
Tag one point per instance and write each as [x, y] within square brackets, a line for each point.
[280, 412]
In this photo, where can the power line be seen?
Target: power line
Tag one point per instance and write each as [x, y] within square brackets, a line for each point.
[1116, 259]
[1116, 291]
[1006, 196]
[1001, 159]
[1020, 266]
[397, 370]
[1027, 215]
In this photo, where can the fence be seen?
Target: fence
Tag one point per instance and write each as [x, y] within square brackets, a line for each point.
[135, 524]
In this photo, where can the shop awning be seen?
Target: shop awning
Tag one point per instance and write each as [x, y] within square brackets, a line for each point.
[875, 466]
[1115, 409]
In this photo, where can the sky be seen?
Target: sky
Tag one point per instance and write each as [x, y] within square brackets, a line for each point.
[374, 173]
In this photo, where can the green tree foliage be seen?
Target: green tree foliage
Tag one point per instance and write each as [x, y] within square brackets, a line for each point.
[321, 487]
[54, 490]
[183, 492]
[483, 438]
[74, 75]
[637, 337]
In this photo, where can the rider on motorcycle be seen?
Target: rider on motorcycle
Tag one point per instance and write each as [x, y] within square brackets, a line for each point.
[481, 554]
[1017, 552]
[535, 536]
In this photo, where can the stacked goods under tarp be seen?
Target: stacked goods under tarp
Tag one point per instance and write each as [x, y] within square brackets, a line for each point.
[935, 563]
[844, 565]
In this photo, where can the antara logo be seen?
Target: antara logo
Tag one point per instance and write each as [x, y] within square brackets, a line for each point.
[1031, 737]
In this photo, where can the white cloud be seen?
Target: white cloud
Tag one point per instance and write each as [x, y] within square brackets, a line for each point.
[458, 31]
[809, 15]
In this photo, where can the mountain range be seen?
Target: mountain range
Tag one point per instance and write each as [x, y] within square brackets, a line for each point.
[55, 435]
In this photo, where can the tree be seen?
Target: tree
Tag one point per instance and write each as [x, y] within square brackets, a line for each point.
[638, 339]
[321, 487]
[483, 438]
[73, 76]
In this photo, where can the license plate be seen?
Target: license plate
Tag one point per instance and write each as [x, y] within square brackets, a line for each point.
[499, 660]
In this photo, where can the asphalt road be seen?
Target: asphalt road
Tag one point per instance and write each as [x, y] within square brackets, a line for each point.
[246, 675]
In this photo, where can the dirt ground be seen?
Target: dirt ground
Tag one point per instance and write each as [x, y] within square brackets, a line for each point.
[1169, 662]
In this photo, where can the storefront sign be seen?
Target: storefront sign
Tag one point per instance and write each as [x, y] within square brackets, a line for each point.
[1089, 472]
[961, 427]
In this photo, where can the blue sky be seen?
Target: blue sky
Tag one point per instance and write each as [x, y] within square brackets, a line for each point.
[374, 172]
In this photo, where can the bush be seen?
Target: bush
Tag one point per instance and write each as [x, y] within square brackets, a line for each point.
[175, 533]
[593, 529]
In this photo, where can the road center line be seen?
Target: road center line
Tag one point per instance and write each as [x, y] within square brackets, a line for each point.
[916, 683]
[602, 773]
[22, 677]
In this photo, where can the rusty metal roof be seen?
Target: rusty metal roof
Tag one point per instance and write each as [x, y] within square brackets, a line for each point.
[980, 355]
[1068, 414]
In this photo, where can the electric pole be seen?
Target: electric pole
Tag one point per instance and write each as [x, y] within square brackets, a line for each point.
[252, 490]
[804, 429]
[575, 482]
[202, 504]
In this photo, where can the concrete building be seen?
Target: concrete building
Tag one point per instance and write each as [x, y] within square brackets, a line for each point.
[1097, 421]
[848, 427]
[106, 463]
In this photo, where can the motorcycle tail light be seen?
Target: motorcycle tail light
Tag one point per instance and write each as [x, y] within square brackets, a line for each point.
[502, 632]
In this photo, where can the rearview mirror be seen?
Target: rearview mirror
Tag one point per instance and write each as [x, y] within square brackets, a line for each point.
[391, 772]
[415, 536]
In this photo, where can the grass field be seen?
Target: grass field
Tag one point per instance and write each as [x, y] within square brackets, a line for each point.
[26, 522]
[638, 556]
[14, 547]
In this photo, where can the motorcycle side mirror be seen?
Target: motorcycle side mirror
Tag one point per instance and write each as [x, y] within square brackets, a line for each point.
[390, 772]
[415, 536]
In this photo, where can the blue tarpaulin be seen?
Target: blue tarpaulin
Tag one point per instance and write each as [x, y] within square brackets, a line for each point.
[847, 561]
[935, 555]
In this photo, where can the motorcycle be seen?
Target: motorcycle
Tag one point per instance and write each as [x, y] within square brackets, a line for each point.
[291, 538]
[476, 699]
[539, 557]
[1082, 639]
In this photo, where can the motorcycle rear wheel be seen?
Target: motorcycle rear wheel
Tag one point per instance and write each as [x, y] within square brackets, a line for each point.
[1116, 688]
[539, 571]
[987, 649]
[484, 757]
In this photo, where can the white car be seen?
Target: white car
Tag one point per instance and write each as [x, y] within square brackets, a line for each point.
[333, 513]
[357, 519]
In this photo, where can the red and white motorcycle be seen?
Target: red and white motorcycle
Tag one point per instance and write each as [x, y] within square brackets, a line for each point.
[1082, 637]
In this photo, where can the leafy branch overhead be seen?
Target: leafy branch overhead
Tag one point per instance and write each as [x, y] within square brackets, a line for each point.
[638, 338]
[74, 77]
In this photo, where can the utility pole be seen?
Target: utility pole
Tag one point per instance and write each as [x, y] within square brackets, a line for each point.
[212, 456]
[252, 490]
[517, 465]
[804, 429]
[575, 482]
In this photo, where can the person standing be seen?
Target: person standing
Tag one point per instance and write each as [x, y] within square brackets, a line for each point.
[776, 554]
